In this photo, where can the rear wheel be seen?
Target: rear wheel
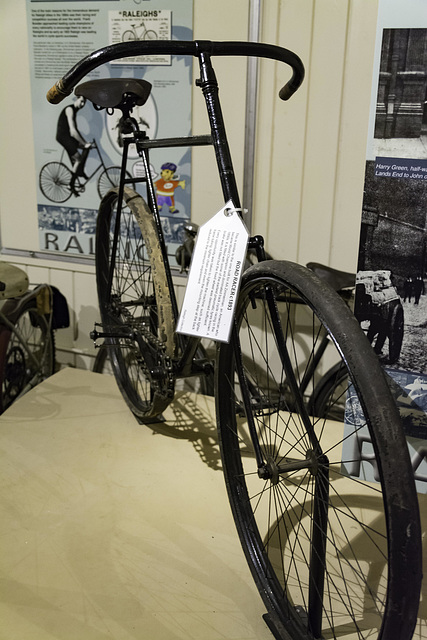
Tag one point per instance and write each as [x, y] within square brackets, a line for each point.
[135, 304]
[27, 354]
[329, 395]
[326, 512]
[102, 362]
[54, 181]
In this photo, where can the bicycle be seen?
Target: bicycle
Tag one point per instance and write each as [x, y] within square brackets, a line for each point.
[55, 179]
[27, 344]
[132, 34]
[330, 531]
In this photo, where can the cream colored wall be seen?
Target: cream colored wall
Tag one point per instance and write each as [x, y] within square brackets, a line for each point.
[310, 150]
[311, 182]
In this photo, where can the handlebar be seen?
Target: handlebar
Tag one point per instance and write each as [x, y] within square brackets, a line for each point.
[66, 84]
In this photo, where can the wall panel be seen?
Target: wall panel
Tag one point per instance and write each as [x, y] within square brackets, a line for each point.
[324, 79]
[354, 120]
[311, 183]
[281, 134]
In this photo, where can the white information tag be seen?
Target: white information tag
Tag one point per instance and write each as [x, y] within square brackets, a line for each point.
[214, 278]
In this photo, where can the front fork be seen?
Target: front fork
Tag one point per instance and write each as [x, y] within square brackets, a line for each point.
[272, 470]
[257, 243]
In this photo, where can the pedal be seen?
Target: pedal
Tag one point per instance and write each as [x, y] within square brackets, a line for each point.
[97, 335]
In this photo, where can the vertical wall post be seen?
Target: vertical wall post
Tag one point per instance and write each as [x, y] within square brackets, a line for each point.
[250, 116]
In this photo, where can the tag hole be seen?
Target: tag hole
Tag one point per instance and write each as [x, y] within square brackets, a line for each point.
[228, 212]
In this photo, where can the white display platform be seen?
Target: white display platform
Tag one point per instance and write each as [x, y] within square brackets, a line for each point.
[114, 530]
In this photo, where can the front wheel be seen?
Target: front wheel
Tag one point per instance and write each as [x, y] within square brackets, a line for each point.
[54, 181]
[326, 511]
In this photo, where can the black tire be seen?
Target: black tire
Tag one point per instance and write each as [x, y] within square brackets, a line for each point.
[330, 552]
[102, 363]
[54, 181]
[20, 370]
[137, 305]
[109, 179]
[395, 333]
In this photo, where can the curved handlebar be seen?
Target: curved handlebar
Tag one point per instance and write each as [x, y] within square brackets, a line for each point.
[66, 84]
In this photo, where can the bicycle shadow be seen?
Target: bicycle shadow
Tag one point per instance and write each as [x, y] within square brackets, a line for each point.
[367, 559]
[191, 417]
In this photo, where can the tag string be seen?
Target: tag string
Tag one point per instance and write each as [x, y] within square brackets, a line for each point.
[229, 211]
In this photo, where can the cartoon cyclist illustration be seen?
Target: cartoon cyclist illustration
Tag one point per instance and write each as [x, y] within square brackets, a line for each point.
[165, 187]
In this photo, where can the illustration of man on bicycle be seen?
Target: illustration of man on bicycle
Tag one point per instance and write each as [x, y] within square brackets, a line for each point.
[69, 136]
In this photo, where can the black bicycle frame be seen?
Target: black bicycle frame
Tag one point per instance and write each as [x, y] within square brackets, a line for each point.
[218, 138]
[203, 50]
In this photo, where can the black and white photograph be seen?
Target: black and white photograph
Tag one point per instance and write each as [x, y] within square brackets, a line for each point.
[391, 300]
[391, 284]
[401, 109]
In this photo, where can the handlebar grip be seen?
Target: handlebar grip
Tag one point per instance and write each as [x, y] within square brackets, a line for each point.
[57, 93]
[289, 89]
[273, 52]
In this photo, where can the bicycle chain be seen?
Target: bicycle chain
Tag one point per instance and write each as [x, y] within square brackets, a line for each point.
[165, 362]
[164, 385]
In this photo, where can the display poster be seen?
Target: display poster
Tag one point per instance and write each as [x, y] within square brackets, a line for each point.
[62, 32]
[391, 284]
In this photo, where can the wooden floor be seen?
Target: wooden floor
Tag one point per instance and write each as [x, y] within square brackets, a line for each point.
[111, 530]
